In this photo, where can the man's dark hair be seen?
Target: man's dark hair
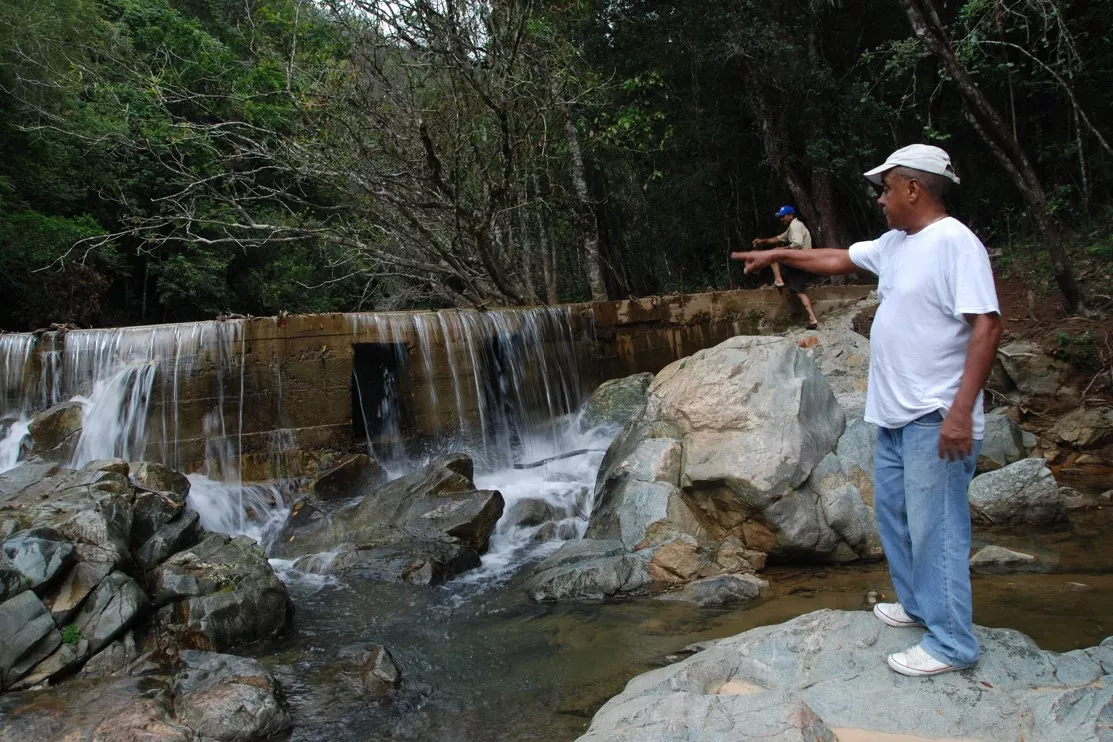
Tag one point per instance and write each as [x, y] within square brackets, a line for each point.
[939, 186]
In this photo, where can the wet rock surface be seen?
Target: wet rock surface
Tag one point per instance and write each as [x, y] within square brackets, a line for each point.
[82, 548]
[220, 593]
[617, 401]
[204, 696]
[423, 528]
[823, 675]
[352, 476]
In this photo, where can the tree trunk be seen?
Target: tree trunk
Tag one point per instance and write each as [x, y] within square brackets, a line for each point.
[588, 223]
[989, 124]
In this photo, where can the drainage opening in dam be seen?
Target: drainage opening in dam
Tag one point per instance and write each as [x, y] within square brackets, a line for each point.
[381, 409]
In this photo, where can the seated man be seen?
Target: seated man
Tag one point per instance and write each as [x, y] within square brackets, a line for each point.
[797, 237]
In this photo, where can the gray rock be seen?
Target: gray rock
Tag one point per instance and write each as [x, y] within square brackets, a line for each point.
[353, 475]
[221, 697]
[616, 401]
[178, 534]
[824, 674]
[40, 554]
[153, 510]
[1024, 492]
[114, 659]
[1034, 373]
[1086, 427]
[638, 498]
[34, 658]
[855, 451]
[64, 600]
[12, 581]
[529, 512]
[115, 604]
[733, 464]
[219, 594]
[14, 481]
[160, 478]
[1030, 440]
[413, 562]
[64, 658]
[55, 432]
[718, 591]
[435, 511]
[589, 570]
[117, 710]
[844, 507]
[373, 668]
[24, 622]
[995, 559]
[1003, 444]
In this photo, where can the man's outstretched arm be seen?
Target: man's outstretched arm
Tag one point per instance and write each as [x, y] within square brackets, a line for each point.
[826, 262]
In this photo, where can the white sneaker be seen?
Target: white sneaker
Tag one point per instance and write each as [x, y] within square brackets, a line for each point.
[895, 615]
[917, 663]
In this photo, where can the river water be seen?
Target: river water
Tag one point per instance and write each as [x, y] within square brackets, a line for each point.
[479, 661]
[483, 663]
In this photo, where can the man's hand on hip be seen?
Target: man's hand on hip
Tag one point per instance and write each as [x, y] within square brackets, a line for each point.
[956, 436]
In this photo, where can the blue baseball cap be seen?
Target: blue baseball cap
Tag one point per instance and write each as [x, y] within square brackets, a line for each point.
[785, 211]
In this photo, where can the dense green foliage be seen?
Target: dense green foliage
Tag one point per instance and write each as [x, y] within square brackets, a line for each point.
[168, 160]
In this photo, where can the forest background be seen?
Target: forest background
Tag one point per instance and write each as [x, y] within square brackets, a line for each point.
[173, 160]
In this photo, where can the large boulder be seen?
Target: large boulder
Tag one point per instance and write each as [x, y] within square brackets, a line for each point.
[352, 476]
[728, 449]
[54, 433]
[823, 675]
[214, 697]
[220, 593]
[1024, 492]
[226, 698]
[617, 401]
[424, 526]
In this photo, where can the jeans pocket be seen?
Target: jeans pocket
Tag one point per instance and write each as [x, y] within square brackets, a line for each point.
[930, 420]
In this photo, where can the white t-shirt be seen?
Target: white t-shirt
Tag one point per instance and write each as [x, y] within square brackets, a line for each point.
[927, 282]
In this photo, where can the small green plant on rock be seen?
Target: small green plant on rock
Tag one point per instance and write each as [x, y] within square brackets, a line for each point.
[71, 634]
[1081, 352]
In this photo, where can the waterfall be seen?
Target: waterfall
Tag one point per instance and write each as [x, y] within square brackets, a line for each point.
[501, 385]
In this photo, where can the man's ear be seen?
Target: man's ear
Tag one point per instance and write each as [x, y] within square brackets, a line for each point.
[915, 190]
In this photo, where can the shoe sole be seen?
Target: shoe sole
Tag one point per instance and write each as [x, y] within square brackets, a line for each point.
[914, 673]
[885, 619]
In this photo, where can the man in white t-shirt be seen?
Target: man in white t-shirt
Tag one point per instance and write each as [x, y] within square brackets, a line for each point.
[933, 342]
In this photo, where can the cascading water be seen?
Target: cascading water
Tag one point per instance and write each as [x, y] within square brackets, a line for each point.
[502, 386]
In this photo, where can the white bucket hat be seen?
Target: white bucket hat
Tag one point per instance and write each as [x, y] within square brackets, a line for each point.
[918, 157]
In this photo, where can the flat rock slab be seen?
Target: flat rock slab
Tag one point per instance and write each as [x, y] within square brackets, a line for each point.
[823, 676]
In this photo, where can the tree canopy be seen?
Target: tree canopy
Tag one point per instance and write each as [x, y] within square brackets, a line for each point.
[166, 160]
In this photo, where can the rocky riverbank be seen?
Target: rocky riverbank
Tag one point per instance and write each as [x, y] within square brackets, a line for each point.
[823, 676]
[115, 606]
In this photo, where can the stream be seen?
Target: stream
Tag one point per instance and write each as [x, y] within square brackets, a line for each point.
[481, 662]
[478, 660]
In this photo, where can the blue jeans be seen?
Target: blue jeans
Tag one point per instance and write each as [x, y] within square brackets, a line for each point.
[923, 517]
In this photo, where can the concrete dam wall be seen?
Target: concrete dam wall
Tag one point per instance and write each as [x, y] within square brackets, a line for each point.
[252, 393]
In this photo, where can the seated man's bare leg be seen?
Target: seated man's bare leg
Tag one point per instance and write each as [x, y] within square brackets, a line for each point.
[777, 280]
[812, 320]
